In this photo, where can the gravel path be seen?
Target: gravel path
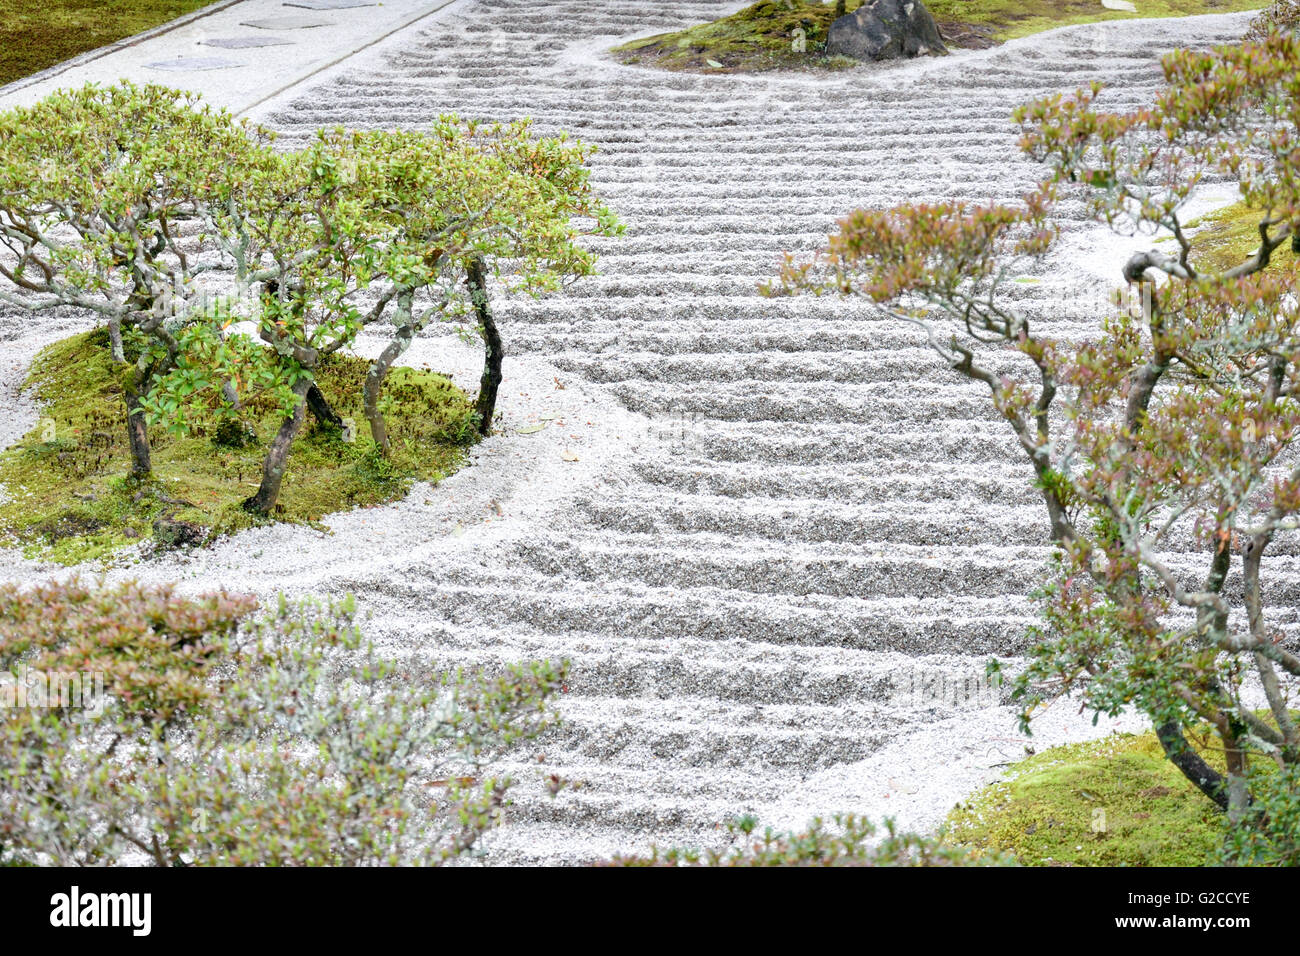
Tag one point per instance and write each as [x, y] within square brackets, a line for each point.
[790, 540]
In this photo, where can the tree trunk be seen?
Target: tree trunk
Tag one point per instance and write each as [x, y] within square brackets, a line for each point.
[1234, 760]
[374, 386]
[137, 436]
[1206, 779]
[320, 408]
[115, 346]
[380, 368]
[137, 427]
[493, 351]
[277, 456]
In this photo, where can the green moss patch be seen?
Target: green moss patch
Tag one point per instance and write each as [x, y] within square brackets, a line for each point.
[764, 36]
[35, 36]
[1112, 802]
[760, 37]
[1229, 236]
[976, 23]
[1117, 801]
[69, 497]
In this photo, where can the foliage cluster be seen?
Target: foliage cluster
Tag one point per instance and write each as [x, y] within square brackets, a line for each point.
[848, 840]
[183, 731]
[227, 272]
[1162, 444]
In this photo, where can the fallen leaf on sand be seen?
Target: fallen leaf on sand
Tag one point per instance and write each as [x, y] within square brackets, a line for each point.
[569, 455]
[458, 781]
[529, 429]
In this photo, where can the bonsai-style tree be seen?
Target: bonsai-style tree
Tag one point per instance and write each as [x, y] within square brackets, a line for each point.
[100, 189]
[1162, 445]
[400, 227]
[455, 207]
[537, 249]
[299, 236]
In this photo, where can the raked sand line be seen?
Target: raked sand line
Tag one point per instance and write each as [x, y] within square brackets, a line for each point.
[784, 510]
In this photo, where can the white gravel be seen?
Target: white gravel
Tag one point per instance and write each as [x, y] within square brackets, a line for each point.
[776, 513]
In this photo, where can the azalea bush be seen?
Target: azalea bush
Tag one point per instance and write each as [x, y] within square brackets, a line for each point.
[1161, 443]
[204, 731]
[1282, 15]
[848, 840]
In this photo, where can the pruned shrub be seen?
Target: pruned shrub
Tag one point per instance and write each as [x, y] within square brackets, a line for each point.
[200, 731]
[100, 191]
[848, 841]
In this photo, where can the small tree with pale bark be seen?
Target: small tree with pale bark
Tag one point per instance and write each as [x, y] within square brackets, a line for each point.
[396, 230]
[103, 192]
[1162, 443]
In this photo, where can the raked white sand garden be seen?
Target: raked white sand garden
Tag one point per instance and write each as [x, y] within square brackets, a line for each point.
[789, 540]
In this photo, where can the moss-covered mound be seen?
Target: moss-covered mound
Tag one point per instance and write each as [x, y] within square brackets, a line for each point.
[771, 35]
[1117, 801]
[67, 495]
[791, 34]
[1228, 237]
[1104, 803]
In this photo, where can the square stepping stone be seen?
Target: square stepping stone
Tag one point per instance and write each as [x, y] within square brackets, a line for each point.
[287, 23]
[330, 4]
[190, 64]
[245, 43]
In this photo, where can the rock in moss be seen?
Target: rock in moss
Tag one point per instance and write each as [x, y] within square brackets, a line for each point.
[234, 433]
[886, 30]
[170, 534]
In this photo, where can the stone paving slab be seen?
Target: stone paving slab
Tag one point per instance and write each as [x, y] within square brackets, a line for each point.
[288, 23]
[330, 4]
[246, 43]
[188, 64]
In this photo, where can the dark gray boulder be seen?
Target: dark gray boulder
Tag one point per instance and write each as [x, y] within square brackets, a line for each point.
[885, 30]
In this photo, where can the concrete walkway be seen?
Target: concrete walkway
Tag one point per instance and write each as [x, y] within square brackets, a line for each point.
[237, 54]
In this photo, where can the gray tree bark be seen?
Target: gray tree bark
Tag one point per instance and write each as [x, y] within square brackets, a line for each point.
[277, 456]
[380, 367]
